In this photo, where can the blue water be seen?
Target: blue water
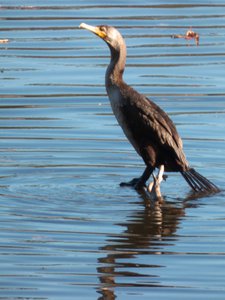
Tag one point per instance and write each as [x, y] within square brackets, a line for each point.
[67, 229]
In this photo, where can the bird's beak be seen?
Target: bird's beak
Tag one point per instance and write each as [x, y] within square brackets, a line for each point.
[96, 30]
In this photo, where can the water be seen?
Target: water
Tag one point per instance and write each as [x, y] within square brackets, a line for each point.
[67, 230]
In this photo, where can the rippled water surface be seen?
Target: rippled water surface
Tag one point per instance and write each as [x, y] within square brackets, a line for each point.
[67, 230]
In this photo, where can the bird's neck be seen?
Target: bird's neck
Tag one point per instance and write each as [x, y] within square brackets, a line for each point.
[114, 72]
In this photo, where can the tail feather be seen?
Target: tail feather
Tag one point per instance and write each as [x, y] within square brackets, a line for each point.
[198, 182]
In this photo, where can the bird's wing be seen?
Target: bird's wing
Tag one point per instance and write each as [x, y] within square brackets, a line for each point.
[155, 119]
[149, 120]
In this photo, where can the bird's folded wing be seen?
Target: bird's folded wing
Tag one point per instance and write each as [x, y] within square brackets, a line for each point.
[148, 119]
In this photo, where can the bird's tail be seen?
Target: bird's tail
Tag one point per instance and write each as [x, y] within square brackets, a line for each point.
[198, 182]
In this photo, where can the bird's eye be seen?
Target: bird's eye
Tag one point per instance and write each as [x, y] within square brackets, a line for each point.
[102, 28]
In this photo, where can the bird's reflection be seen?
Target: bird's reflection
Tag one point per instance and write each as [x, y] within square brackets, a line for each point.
[146, 231]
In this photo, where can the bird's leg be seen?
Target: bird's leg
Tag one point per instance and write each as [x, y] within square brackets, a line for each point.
[144, 177]
[154, 187]
[160, 176]
[139, 183]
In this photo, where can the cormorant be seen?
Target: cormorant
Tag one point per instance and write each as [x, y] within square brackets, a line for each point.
[148, 128]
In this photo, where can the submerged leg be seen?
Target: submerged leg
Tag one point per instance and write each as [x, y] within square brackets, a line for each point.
[139, 183]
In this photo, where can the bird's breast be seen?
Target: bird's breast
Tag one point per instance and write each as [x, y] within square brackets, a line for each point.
[118, 104]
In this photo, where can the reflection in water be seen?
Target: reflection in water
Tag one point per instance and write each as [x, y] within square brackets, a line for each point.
[147, 231]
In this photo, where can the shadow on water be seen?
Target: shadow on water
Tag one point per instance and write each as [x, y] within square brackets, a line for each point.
[145, 233]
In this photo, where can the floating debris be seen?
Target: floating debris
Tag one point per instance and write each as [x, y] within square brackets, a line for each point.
[190, 34]
[4, 41]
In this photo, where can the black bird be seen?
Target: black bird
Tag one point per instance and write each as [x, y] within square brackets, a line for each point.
[148, 128]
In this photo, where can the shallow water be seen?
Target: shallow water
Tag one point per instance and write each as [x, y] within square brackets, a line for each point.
[67, 230]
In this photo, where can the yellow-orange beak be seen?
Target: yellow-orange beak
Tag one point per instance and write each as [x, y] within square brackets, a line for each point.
[96, 30]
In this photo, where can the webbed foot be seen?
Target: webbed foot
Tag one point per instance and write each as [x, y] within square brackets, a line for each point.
[136, 183]
[139, 183]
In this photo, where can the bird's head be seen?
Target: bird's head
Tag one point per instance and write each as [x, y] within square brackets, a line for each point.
[108, 33]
